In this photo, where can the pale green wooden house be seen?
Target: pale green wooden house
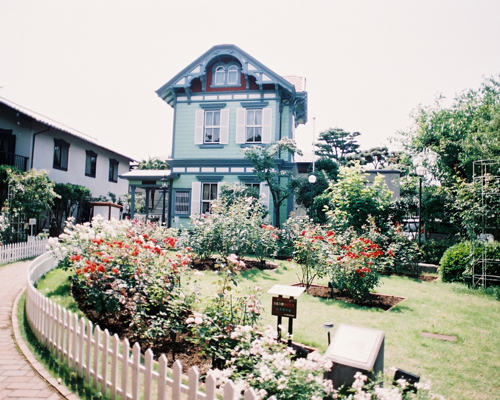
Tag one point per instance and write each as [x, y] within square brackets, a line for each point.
[224, 101]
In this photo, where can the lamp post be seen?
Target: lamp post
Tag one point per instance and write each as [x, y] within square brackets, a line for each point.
[164, 189]
[312, 181]
[420, 172]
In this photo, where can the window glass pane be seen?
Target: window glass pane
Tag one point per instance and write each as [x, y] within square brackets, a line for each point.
[209, 117]
[216, 118]
[232, 75]
[250, 134]
[258, 117]
[213, 194]
[257, 134]
[219, 75]
[57, 156]
[206, 191]
[182, 202]
[250, 117]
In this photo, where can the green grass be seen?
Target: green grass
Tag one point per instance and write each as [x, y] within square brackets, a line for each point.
[464, 369]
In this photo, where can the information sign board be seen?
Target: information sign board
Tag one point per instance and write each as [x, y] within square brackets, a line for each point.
[284, 307]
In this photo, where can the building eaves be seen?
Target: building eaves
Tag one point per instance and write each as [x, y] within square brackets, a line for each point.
[56, 125]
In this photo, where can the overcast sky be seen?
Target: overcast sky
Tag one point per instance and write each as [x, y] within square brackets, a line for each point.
[95, 65]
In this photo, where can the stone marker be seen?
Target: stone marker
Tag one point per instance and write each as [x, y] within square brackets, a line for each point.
[354, 349]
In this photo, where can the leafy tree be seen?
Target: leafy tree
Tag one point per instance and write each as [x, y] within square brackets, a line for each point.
[326, 171]
[153, 163]
[352, 200]
[71, 198]
[337, 144]
[31, 194]
[377, 156]
[451, 138]
[268, 170]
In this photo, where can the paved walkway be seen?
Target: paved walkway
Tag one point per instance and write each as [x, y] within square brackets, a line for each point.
[21, 377]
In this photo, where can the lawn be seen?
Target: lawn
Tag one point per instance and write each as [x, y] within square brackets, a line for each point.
[464, 369]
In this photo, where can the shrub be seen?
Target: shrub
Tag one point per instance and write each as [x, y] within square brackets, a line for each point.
[431, 251]
[454, 262]
[290, 232]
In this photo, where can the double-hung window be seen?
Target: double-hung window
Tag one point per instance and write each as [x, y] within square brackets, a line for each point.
[254, 123]
[212, 126]
[254, 126]
[208, 195]
[61, 151]
[90, 163]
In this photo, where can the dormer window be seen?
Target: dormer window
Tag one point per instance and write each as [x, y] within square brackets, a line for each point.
[232, 75]
[220, 75]
[226, 75]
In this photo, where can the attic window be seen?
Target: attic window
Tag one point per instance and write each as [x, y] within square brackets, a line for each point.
[226, 74]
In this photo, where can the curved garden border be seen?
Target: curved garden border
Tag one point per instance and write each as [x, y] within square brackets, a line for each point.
[105, 361]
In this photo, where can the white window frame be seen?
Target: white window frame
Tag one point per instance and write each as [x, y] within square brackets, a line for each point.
[212, 127]
[230, 70]
[208, 201]
[220, 72]
[253, 126]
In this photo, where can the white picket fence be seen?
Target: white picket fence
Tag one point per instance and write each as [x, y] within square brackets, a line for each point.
[107, 363]
[21, 251]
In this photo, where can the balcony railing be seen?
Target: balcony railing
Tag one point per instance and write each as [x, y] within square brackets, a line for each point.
[14, 160]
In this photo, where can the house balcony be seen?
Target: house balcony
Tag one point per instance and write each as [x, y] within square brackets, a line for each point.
[14, 160]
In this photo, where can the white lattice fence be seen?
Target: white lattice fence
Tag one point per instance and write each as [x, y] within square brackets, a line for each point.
[107, 363]
[20, 251]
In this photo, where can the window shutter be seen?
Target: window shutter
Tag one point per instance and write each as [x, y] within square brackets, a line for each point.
[218, 190]
[224, 126]
[195, 197]
[264, 194]
[198, 126]
[267, 120]
[241, 116]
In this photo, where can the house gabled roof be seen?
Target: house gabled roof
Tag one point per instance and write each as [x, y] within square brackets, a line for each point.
[250, 66]
[56, 125]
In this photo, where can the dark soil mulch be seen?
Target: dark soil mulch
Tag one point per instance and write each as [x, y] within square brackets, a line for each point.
[208, 264]
[189, 354]
[423, 278]
[383, 301]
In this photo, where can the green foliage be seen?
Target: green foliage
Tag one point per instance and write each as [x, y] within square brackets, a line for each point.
[153, 163]
[432, 250]
[311, 253]
[212, 328]
[290, 233]
[352, 200]
[263, 159]
[233, 227]
[464, 132]
[122, 273]
[31, 194]
[326, 171]
[376, 156]
[71, 197]
[455, 261]
[337, 144]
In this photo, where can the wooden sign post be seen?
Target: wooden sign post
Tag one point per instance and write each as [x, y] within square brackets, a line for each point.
[285, 307]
